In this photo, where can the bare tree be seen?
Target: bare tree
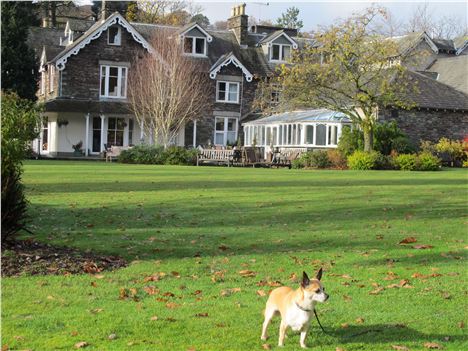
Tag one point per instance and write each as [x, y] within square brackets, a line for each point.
[167, 89]
[447, 27]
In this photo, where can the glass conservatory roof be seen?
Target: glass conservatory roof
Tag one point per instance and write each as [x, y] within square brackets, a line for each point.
[320, 115]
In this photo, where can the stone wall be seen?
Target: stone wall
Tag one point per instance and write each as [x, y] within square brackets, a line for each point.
[428, 124]
[80, 78]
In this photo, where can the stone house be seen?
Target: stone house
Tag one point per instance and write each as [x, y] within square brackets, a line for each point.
[84, 69]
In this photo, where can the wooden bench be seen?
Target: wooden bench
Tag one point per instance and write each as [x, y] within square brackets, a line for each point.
[215, 156]
[114, 152]
[285, 156]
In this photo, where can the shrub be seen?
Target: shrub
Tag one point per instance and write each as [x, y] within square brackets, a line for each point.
[406, 162]
[384, 162]
[20, 120]
[350, 141]
[427, 146]
[388, 137]
[297, 163]
[451, 150]
[361, 160]
[319, 159]
[337, 160]
[156, 155]
[428, 162]
[176, 155]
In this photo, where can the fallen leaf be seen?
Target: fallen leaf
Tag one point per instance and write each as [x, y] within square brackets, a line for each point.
[81, 344]
[376, 291]
[112, 337]
[261, 293]
[168, 294]
[344, 325]
[432, 345]
[359, 320]
[339, 349]
[266, 346]
[171, 305]
[176, 274]
[246, 273]
[197, 292]
[228, 292]
[123, 294]
[74, 333]
[446, 295]
[151, 290]
[422, 247]
[93, 284]
[391, 276]
[154, 318]
[408, 240]
[96, 310]
[201, 314]
[400, 348]
[347, 298]
[461, 325]
[223, 247]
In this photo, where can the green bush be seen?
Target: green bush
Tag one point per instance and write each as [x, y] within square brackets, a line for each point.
[361, 160]
[388, 137]
[452, 151]
[351, 140]
[156, 155]
[312, 159]
[176, 155]
[20, 121]
[428, 162]
[406, 162]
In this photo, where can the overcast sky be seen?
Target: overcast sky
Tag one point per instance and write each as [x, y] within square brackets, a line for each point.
[314, 13]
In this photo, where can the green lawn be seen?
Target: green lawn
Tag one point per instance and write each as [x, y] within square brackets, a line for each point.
[203, 225]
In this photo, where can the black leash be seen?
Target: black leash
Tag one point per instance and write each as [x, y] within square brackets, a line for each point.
[348, 336]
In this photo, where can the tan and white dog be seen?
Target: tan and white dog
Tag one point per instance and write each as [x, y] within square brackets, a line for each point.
[295, 306]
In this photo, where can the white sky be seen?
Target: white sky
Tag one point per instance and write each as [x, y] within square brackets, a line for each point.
[314, 13]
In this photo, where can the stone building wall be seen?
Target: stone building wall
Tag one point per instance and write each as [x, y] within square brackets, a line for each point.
[428, 124]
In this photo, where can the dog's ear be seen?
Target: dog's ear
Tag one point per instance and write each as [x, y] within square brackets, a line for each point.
[305, 280]
[318, 276]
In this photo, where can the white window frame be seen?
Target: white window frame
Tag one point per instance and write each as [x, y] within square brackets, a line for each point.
[118, 38]
[225, 131]
[119, 82]
[194, 53]
[226, 96]
[51, 78]
[280, 52]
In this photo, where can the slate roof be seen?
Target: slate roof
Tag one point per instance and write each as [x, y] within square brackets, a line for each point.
[433, 94]
[48, 38]
[85, 106]
[452, 71]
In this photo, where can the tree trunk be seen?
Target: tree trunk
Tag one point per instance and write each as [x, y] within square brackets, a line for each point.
[368, 139]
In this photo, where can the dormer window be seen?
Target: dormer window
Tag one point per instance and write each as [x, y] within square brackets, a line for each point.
[280, 52]
[195, 46]
[113, 36]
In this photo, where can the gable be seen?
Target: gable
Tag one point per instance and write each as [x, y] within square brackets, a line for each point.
[281, 40]
[94, 33]
[195, 32]
[227, 60]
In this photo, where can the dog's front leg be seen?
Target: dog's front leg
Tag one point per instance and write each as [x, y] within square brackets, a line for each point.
[304, 332]
[282, 332]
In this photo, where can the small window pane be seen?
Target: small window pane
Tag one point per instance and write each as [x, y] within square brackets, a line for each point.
[219, 138]
[111, 123]
[113, 71]
[114, 35]
[231, 137]
[112, 86]
[123, 82]
[220, 124]
[321, 134]
[232, 124]
[286, 52]
[276, 52]
[199, 46]
[233, 92]
[188, 45]
[309, 134]
[221, 91]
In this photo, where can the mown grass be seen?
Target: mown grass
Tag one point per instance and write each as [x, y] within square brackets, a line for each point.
[206, 224]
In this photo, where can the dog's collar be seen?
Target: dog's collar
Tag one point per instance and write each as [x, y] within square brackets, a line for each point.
[302, 308]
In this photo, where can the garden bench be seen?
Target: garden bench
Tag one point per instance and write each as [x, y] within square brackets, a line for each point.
[215, 156]
[114, 152]
[285, 156]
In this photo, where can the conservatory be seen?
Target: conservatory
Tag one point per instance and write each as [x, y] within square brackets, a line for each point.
[297, 129]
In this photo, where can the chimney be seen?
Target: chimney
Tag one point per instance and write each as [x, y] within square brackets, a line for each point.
[238, 23]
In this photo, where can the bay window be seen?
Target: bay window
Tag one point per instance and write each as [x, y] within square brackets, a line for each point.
[225, 131]
[227, 92]
[113, 82]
